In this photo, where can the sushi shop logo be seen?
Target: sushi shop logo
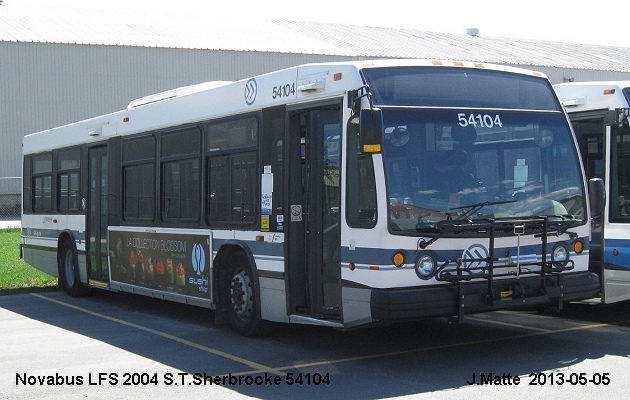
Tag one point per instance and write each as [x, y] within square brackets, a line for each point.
[198, 259]
[474, 257]
[251, 89]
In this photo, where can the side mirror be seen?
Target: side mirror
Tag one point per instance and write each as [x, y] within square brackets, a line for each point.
[371, 130]
[596, 196]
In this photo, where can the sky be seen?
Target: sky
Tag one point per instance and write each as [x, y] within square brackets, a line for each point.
[562, 21]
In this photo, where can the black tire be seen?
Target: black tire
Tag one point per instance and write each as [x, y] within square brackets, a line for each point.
[69, 279]
[240, 297]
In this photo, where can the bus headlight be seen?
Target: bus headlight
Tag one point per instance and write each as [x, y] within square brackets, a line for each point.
[560, 254]
[425, 266]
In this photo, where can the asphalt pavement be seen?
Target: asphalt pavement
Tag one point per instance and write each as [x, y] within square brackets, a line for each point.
[117, 345]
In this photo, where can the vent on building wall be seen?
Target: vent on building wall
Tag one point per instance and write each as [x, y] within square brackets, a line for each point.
[472, 31]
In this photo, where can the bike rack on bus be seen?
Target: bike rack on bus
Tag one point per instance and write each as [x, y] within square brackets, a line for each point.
[454, 271]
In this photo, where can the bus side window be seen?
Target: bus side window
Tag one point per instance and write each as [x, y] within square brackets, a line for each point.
[27, 199]
[68, 188]
[138, 174]
[619, 177]
[231, 153]
[180, 196]
[42, 182]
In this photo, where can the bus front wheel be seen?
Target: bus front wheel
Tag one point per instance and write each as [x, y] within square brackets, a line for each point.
[241, 298]
[69, 271]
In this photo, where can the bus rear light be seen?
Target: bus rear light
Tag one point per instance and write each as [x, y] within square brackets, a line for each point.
[578, 246]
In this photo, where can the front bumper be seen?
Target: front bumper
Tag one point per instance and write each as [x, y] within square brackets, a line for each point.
[457, 299]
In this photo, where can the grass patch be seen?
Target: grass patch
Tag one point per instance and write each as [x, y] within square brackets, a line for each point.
[16, 276]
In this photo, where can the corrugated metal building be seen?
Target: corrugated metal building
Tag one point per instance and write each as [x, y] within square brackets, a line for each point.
[61, 65]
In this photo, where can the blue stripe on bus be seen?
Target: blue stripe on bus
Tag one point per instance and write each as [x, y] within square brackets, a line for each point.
[369, 256]
[622, 259]
[48, 233]
[257, 248]
[617, 242]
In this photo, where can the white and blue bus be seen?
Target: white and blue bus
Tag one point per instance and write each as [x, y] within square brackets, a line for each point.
[599, 115]
[340, 194]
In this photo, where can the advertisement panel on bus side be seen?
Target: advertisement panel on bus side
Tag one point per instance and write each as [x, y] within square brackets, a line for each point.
[169, 261]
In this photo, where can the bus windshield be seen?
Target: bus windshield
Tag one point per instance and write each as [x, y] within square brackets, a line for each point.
[478, 164]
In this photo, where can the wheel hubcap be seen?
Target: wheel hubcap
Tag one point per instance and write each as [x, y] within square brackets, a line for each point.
[241, 294]
[69, 269]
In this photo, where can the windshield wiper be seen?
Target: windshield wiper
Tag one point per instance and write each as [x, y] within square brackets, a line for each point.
[562, 223]
[473, 208]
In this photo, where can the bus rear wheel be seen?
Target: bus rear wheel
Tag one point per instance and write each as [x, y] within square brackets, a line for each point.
[241, 298]
[69, 278]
